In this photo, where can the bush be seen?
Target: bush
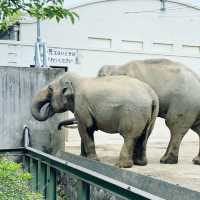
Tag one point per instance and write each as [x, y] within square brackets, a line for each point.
[14, 182]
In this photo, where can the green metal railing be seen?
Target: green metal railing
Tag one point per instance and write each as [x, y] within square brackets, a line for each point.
[45, 168]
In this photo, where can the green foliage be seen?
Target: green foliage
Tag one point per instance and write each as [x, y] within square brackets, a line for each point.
[13, 10]
[14, 182]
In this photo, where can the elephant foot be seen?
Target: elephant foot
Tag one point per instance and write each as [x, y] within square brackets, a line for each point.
[196, 160]
[93, 157]
[169, 159]
[124, 163]
[140, 162]
[83, 154]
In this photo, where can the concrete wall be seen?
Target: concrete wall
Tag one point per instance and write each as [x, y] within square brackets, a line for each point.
[17, 87]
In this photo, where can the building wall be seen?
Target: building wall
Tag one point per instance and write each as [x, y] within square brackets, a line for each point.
[114, 32]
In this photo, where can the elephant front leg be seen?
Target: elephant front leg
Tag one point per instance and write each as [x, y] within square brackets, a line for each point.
[87, 143]
[125, 158]
[83, 151]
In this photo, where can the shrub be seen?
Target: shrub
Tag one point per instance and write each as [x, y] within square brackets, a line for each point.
[14, 182]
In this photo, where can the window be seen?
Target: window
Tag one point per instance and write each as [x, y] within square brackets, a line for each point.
[163, 47]
[191, 49]
[132, 45]
[103, 43]
[11, 34]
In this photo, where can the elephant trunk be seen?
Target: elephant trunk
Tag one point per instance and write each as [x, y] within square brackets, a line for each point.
[67, 123]
[41, 99]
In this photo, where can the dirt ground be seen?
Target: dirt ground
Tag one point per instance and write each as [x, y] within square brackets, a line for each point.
[185, 173]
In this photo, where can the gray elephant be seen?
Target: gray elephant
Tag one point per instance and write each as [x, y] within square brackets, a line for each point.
[111, 104]
[178, 90]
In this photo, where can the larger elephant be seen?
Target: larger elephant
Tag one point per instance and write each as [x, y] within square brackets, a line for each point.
[178, 89]
[111, 104]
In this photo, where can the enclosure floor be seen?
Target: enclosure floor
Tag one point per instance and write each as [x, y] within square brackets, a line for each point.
[185, 173]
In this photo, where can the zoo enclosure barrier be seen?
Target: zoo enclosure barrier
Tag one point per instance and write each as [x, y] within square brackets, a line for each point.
[44, 169]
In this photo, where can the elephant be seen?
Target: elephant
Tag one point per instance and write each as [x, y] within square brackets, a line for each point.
[178, 90]
[111, 104]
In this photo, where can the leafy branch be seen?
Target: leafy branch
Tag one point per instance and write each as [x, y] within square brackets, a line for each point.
[13, 10]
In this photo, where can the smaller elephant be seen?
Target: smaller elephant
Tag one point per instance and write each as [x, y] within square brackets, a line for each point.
[112, 104]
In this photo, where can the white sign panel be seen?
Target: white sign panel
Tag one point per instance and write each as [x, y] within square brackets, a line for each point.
[62, 57]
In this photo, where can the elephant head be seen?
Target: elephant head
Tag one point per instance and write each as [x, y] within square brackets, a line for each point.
[108, 70]
[57, 97]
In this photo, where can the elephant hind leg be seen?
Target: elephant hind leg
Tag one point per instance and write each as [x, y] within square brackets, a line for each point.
[139, 151]
[196, 160]
[139, 154]
[171, 155]
[125, 158]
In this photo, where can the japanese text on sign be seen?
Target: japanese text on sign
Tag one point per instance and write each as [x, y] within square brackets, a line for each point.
[62, 57]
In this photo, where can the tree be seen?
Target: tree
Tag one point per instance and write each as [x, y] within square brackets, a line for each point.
[13, 10]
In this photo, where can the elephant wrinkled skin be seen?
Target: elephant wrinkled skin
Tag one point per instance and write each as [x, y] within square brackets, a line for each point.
[178, 90]
[111, 104]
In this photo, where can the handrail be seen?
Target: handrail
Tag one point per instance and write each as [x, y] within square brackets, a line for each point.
[42, 164]
[46, 168]
[91, 177]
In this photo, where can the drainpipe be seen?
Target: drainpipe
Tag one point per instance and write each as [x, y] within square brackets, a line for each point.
[40, 57]
[163, 5]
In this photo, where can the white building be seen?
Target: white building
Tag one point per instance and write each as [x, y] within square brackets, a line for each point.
[113, 32]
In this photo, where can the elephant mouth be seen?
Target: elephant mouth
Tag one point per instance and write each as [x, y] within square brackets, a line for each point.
[48, 109]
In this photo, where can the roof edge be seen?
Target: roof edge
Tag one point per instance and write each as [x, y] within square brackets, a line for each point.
[91, 2]
[190, 5]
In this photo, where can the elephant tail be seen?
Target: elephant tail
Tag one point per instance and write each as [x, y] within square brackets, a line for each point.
[154, 114]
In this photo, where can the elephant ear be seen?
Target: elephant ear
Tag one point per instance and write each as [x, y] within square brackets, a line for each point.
[68, 90]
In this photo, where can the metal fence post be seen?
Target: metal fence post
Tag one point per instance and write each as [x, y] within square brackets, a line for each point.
[42, 179]
[51, 183]
[33, 171]
[26, 163]
[83, 190]
[47, 182]
[39, 177]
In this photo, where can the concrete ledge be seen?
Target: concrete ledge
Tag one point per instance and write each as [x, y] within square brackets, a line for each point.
[154, 186]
